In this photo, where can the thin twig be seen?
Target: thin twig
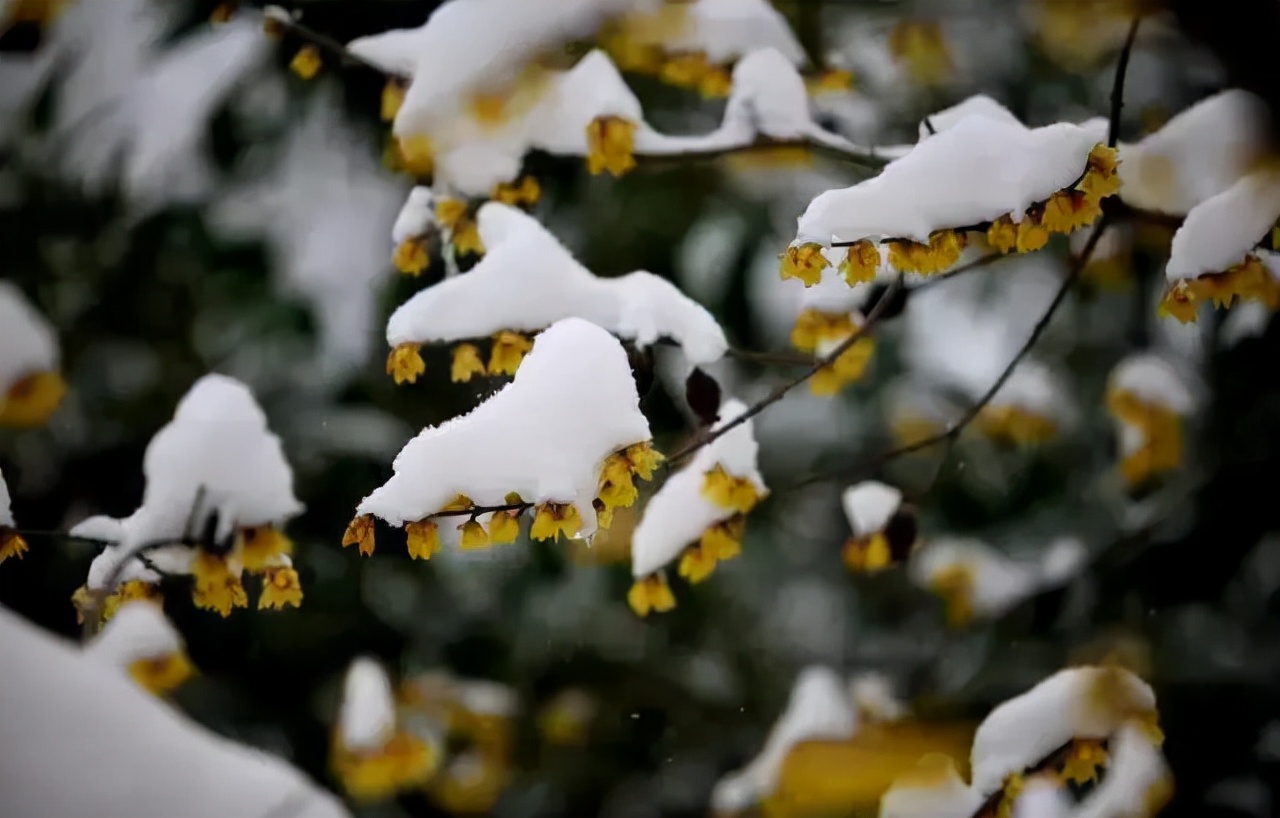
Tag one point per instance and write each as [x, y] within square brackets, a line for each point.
[475, 511]
[282, 17]
[1117, 85]
[781, 391]
[977, 263]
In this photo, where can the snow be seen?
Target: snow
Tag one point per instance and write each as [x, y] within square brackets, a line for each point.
[28, 344]
[874, 698]
[1220, 231]
[133, 754]
[6, 513]
[545, 435]
[415, 217]
[976, 105]
[1135, 771]
[528, 280]
[933, 789]
[727, 29]
[593, 88]
[1077, 703]
[139, 630]
[1033, 387]
[1153, 380]
[1042, 797]
[678, 513]
[817, 709]
[367, 717]
[869, 505]
[977, 170]
[218, 451]
[485, 698]
[1196, 155]
[999, 582]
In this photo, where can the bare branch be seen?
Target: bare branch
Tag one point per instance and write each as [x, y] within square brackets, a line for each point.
[281, 17]
[1117, 86]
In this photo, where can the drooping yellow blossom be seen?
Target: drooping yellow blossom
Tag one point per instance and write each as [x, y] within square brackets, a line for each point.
[551, 520]
[281, 588]
[610, 145]
[954, 585]
[422, 538]
[860, 263]
[217, 587]
[360, 532]
[805, 262]
[1069, 210]
[450, 211]
[504, 527]
[460, 502]
[644, 459]
[1002, 235]
[161, 674]
[866, 555]
[405, 363]
[848, 368]
[526, 193]
[920, 46]
[1084, 759]
[1101, 177]
[1160, 451]
[729, 492]
[814, 327]
[11, 544]
[1250, 280]
[125, 592]
[417, 155]
[830, 80]
[466, 363]
[1016, 425]
[1012, 787]
[717, 83]
[1032, 235]
[509, 349]
[306, 63]
[652, 593]
[723, 541]
[411, 257]
[685, 70]
[260, 546]
[403, 763]
[392, 99]
[696, 564]
[616, 486]
[942, 251]
[474, 536]
[31, 400]
[465, 237]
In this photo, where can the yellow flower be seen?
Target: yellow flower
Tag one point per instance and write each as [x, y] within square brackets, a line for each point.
[860, 263]
[261, 545]
[411, 256]
[696, 564]
[466, 363]
[1016, 425]
[31, 400]
[729, 492]
[403, 763]
[11, 544]
[848, 368]
[417, 155]
[360, 532]
[1100, 178]
[1068, 210]
[723, 541]
[526, 193]
[942, 251]
[553, 519]
[504, 527]
[920, 46]
[1009, 792]
[1180, 301]
[217, 587]
[280, 588]
[466, 237]
[813, 327]
[306, 63]
[805, 262]
[161, 674]
[1032, 235]
[392, 98]
[651, 594]
[508, 351]
[616, 486]
[1084, 758]
[474, 536]
[611, 145]
[460, 502]
[1003, 234]
[125, 592]
[831, 80]
[685, 70]
[716, 83]
[422, 539]
[644, 459]
[405, 363]
[954, 585]
[866, 555]
[450, 211]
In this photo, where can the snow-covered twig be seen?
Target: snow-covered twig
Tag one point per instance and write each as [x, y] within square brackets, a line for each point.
[857, 155]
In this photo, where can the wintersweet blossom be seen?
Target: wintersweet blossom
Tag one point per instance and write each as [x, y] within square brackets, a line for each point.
[931, 789]
[884, 531]
[142, 642]
[1149, 400]
[30, 386]
[372, 753]
[698, 515]
[527, 281]
[975, 581]
[565, 438]
[11, 542]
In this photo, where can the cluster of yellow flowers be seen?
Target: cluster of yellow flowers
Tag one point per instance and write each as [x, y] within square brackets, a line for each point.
[611, 145]
[551, 520]
[815, 330]
[405, 761]
[259, 550]
[1250, 280]
[11, 544]
[507, 350]
[1160, 448]
[719, 542]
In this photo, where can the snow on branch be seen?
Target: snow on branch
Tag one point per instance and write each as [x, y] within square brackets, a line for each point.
[698, 515]
[527, 281]
[143, 643]
[30, 386]
[566, 435]
[12, 543]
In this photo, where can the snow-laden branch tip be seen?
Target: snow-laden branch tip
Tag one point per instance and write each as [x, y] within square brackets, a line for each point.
[982, 171]
[30, 385]
[698, 515]
[566, 435]
[140, 641]
[527, 281]
[884, 532]
[1149, 400]
[975, 581]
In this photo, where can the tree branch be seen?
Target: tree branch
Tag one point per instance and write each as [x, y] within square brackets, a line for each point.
[281, 16]
[1117, 85]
